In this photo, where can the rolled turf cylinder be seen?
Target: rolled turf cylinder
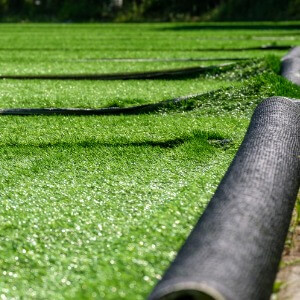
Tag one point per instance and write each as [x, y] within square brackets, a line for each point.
[290, 66]
[234, 250]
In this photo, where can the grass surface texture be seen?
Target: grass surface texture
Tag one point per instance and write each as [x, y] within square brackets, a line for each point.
[96, 207]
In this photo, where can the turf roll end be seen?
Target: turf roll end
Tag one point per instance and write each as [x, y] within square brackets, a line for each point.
[235, 248]
[189, 291]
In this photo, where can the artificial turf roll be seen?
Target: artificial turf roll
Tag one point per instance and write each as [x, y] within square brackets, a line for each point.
[290, 65]
[235, 248]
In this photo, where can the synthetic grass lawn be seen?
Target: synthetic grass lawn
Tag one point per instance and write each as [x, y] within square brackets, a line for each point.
[96, 207]
[121, 93]
[100, 213]
[59, 67]
[37, 93]
[143, 36]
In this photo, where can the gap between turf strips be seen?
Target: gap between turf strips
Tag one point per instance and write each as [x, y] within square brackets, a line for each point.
[267, 47]
[160, 74]
[158, 59]
[135, 110]
[132, 110]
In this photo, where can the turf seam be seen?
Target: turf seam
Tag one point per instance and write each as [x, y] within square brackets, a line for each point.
[139, 109]
[267, 47]
[159, 59]
[160, 74]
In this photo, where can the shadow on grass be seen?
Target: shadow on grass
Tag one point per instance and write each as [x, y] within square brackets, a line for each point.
[179, 73]
[210, 139]
[179, 49]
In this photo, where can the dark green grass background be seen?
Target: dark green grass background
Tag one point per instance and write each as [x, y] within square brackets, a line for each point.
[97, 207]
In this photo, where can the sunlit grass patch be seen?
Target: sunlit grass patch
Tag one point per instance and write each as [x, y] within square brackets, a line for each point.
[97, 207]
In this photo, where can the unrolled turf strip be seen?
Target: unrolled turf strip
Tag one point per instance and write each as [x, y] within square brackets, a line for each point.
[159, 59]
[132, 110]
[234, 250]
[161, 74]
[267, 47]
[290, 66]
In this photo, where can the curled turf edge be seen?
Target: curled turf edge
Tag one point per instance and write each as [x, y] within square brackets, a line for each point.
[235, 248]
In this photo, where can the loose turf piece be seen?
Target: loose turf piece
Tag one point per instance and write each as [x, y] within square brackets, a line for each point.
[234, 250]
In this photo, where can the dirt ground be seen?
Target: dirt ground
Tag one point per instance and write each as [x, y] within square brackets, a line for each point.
[289, 274]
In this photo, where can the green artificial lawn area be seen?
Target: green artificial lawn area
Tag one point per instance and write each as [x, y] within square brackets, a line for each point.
[96, 207]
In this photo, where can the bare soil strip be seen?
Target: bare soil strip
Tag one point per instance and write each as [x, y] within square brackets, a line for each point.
[289, 273]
